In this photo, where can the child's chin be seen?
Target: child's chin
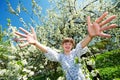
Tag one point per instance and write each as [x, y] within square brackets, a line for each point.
[67, 50]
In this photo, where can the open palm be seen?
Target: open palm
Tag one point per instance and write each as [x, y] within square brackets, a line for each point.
[96, 28]
[30, 38]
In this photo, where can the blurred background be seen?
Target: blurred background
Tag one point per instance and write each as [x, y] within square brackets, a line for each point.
[53, 20]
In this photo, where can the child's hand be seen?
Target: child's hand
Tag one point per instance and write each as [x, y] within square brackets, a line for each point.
[29, 38]
[96, 28]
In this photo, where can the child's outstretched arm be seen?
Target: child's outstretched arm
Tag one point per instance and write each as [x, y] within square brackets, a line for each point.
[30, 38]
[96, 28]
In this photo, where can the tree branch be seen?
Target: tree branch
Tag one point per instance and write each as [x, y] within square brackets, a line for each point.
[89, 4]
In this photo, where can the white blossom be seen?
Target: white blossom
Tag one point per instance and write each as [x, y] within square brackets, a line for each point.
[91, 62]
[18, 8]
[2, 72]
[24, 62]
[26, 70]
[31, 73]
[61, 78]
[25, 77]
[94, 72]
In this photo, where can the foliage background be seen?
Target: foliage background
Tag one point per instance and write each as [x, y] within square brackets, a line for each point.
[64, 18]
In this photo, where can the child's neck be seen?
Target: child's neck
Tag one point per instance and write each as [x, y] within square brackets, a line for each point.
[66, 52]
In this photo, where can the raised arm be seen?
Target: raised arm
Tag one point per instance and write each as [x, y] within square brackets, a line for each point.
[30, 38]
[96, 28]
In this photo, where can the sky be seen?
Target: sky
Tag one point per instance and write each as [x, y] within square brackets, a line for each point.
[4, 14]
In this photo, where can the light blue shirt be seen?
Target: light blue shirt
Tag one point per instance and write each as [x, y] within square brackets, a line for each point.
[73, 70]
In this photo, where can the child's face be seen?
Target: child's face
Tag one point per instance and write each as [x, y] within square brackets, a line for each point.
[67, 46]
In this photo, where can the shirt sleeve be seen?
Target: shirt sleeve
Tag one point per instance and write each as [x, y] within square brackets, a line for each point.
[79, 51]
[52, 55]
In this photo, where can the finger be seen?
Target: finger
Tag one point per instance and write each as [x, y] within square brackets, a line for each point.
[101, 17]
[25, 31]
[22, 39]
[34, 33]
[89, 23]
[108, 27]
[107, 20]
[20, 34]
[104, 35]
[23, 45]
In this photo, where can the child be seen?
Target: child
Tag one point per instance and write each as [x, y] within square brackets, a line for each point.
[73, 71]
